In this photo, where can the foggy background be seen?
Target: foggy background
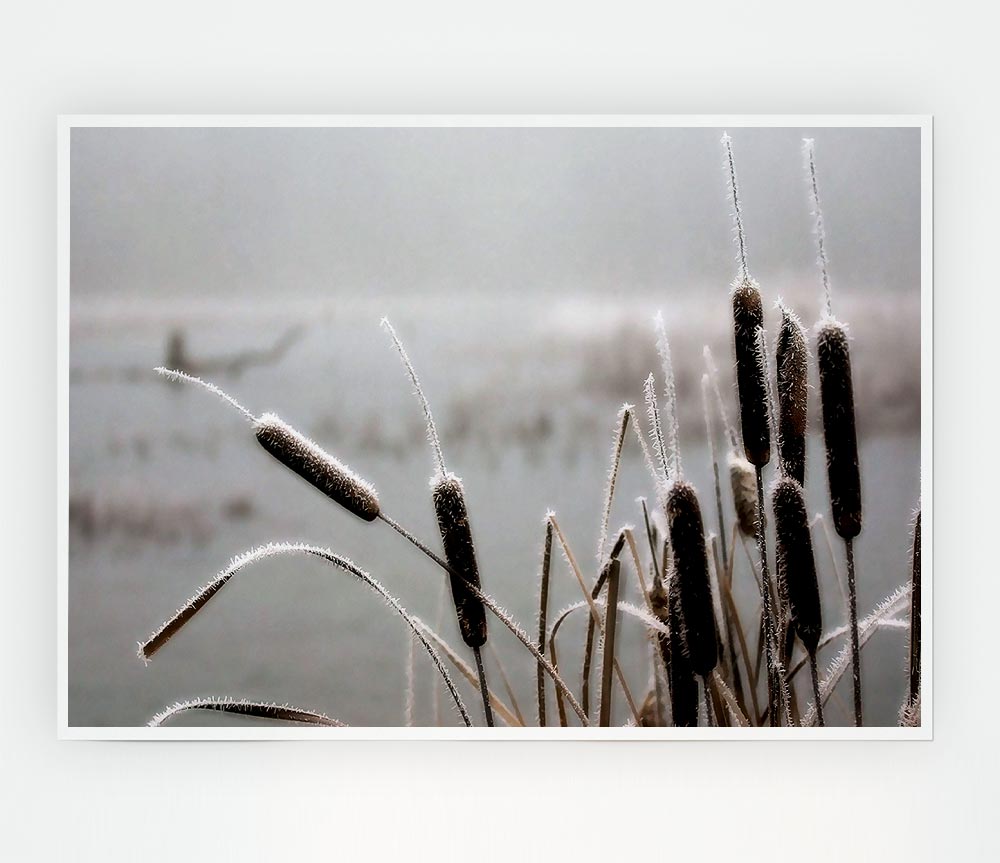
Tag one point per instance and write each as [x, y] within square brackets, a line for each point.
[521, 268]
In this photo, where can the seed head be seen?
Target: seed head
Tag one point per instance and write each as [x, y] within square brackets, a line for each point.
[792, 360]
[317, 467]
[683, 686]
[687, 539]
[459, 550]
[839, 430]
[748, 317]
[796, 565]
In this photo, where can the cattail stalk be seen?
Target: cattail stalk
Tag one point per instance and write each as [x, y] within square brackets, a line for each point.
[448, 496]
[543, 610]
[839, 427]
[914, 658]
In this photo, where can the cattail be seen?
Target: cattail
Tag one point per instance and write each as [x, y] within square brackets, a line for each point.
[796, 566]
[317, 467]
[792, 361]
[683, 684]
[687, 540]
[459, 551]
[448, 496]
[748, 317]
[839, 430]
[298, 453]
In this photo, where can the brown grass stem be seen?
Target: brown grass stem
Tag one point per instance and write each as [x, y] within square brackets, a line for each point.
[610, 630]
[201, 598]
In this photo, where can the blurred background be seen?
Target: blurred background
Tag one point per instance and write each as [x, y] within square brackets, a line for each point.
[522, 269]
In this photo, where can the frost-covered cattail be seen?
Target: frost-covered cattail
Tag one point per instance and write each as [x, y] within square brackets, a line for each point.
[682, 680]
[796, 565]
[840, 434]
[448, 496]
[687, 539]
[791, 357]
[317, 467]
[300, 454]
[839, 430]
[748, 317]
[459, 550]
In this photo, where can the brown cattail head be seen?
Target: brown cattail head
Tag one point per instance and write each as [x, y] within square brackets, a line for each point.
[317, 467]
[791, 357]
[459, 551]
[795, 562]
[687, 539]
[683, 686]
[748, 317]
[837, 398]
[744, 482]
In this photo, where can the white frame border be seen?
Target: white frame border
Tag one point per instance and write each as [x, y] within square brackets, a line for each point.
[66, 123]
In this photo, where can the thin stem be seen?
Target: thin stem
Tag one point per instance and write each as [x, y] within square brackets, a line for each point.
[505, 680]
[610, 629]
[653, 410]
[708, 702]
[411, 694]
[571, 560]
[504, 712]
[670, 395]
[855, 649]
[616, 457]
[809, 149]
[174, 375]
[713, 374]
[710, 433]
[815, 681]
[484, 690]
[500, 614]
[432, 435]
[652, 545]
[403, 532]
[765, 599]
[734, 191]
[199, 600]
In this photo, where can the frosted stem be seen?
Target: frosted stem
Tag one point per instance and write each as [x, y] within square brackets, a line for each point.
[174, 375]
[809, 151]
[734, 191]
[432, 435]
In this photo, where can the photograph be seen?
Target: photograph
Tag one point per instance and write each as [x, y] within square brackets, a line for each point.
[608, 427]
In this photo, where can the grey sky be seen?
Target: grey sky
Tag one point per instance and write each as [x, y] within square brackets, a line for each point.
[248, 212]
